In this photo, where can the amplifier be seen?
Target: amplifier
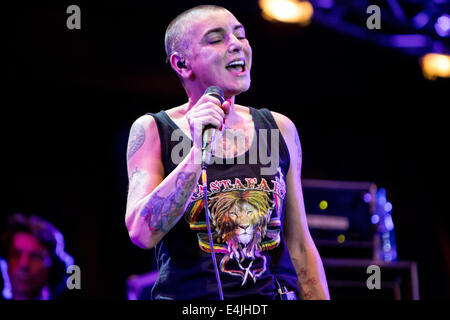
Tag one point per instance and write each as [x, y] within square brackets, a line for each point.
[339, 217]
[347, 279]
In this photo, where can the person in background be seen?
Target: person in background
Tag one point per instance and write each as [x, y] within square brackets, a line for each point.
[36, 261]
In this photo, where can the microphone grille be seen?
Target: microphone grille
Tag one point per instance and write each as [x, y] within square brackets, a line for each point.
[216, 92]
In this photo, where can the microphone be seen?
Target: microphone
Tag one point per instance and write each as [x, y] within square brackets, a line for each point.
[208, 135]
[209, 132]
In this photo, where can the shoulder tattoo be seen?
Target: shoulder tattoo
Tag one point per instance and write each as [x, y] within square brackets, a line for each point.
[136, 140]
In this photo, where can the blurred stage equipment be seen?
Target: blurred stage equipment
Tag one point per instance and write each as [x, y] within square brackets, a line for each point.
[339, 217]
[347, 279]
[352, 226]
[415, 27]
[385, 248]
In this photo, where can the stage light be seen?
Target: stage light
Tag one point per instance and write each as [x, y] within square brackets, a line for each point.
[341, 238]
[375, 219]
[367, 197]
[290, 11]
[421, 19]
[323, 205]
[442, 25]
[409, 40]
[381, 196]
[325, 4]
[435, 65]
[388, 223]
[388, 207]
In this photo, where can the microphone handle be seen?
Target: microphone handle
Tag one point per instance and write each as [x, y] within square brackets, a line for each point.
[209, 134]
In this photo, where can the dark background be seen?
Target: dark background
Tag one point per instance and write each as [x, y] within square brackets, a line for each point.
[364, 113]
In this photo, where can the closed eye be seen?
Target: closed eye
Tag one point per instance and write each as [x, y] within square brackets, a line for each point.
[239, 37]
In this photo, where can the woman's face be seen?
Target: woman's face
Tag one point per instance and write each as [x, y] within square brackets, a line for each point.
[220, 54]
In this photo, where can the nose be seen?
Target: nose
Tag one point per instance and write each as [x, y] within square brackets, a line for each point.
[24, 261]
[234, 45]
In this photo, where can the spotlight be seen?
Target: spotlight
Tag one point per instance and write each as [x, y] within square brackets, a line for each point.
[435, 65]
[442, 25]
[290, 11]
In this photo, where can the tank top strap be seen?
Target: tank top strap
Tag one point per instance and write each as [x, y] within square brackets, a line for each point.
[165, 126]
[264, 119]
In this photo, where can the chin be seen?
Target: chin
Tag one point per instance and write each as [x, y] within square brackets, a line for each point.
[230, 92]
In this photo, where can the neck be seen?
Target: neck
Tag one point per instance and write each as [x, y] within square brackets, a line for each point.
[193, 99]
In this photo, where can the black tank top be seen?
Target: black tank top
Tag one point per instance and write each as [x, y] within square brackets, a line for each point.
[247, 206]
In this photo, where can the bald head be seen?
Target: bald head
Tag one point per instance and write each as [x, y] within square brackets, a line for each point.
[177, 33]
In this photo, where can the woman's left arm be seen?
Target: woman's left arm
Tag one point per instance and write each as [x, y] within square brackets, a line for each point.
[305, 257]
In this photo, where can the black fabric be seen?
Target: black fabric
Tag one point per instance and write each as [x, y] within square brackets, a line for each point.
[240, 197]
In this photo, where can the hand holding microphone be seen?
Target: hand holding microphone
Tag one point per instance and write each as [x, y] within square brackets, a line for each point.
[205, 117]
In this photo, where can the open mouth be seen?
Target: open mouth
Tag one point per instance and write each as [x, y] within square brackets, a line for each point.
[236, 66]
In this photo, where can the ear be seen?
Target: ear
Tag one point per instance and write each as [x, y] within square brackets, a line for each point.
[180, 65]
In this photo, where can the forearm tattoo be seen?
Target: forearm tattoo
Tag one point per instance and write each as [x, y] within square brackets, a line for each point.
[135, 179]
[161, 212]
[136, 140]
[307, 284]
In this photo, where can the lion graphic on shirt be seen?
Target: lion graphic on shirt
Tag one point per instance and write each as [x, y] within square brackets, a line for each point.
[240, 219]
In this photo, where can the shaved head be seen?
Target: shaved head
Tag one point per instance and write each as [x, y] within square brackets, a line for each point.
[200, 44]
[176, 38]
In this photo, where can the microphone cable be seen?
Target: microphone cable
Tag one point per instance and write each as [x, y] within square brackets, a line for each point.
[208, 140]
[208, 228]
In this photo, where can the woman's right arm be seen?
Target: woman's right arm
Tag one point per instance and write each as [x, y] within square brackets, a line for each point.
[155, 203]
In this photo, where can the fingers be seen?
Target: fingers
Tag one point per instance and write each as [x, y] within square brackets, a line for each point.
[207, 111]
[226, 106]
[207, 114]
[205, 121]
[208, 101]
